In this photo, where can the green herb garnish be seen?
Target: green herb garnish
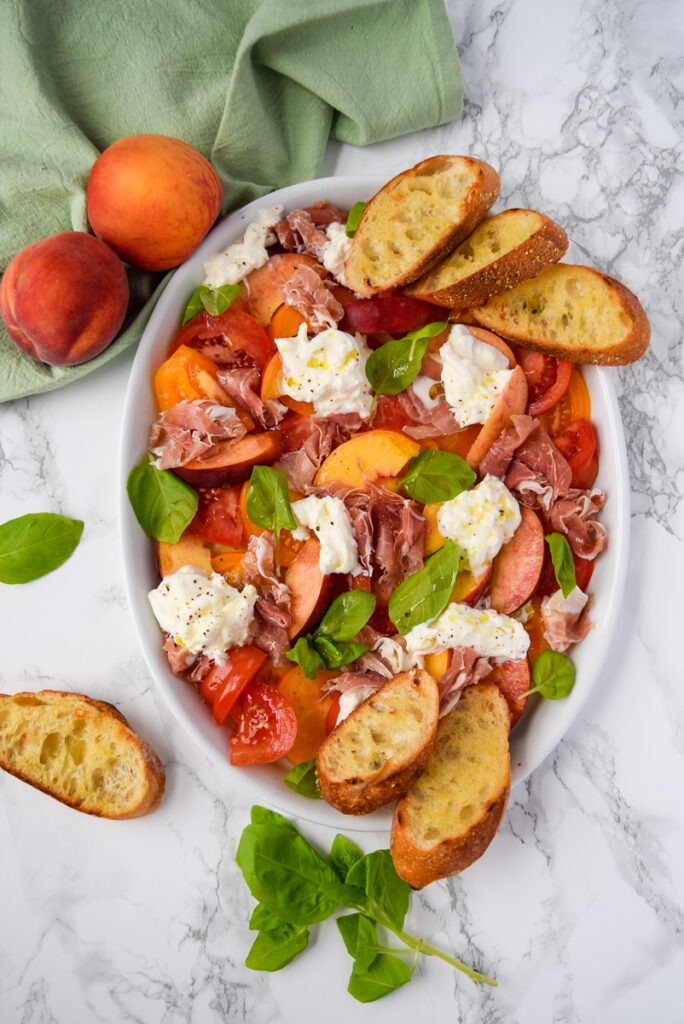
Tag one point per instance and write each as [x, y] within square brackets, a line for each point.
[396, 364]
[553, 676]
[211, 300]
[330, 645]
[268, 503]
[425, 594]
[164, 505]
[353, 219]
[436, 476]
[35, 544]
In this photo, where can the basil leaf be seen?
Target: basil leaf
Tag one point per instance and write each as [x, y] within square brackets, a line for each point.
[335, 655]
[376, 875]
[211, 300]
[425, 594]
[284, 872]
[35, 544]
[563, 562]
[262, 920]
[276, 948]
[264, 816]
[163, 504]
[348, 614]
[360, 936]
[302, 779]
[386, 974]
[434, 476]
[353, 219]
[553, 675]
[396, 364]
[306, 656]
[344, 854]
[268, 503]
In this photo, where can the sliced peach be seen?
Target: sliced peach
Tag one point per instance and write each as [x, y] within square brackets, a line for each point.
[311, 590]
[272, 387]
[367, 457]
[311, 708]
[513, 679]
[189, 550]
[511, 402]
[461, 441]
[285, 323]
[433, 539]
[517, 567]
[229, 564]
[265, 284]
[233, 461]
[437, 664]
[495, 341]
[468, 589]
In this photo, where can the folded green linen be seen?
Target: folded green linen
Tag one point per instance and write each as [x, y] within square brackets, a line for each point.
[258, 86]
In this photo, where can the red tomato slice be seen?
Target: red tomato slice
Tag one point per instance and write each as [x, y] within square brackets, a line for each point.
[218, 518]
[389, 414]
[266, 728]
[235, 329]
[333, 712]
[222, 686]
[577, 443]
[584, 478]
[547, 379]
[391, 313]
[575, 404]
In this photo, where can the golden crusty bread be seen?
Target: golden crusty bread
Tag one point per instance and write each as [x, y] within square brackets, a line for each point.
[373, 756]
[501, 252]
[80, 751]
[450, 815]
[416, 219]
[573, 313]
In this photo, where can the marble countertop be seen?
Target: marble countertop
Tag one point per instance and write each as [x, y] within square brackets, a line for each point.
[577, 907]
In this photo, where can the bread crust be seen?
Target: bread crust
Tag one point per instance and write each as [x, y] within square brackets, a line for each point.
[499, 314]
[456, 849]
[153, 778]
[364, 792]
[481, 194]
[544, 247]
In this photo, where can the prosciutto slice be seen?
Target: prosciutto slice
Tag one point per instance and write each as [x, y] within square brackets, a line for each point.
[272, 615]
[575, 516]
[566, 619]
[310, 296]
[325, 434]
[192, 430]
[242, 382]
[429, 421]
[184, 663]
[299, 232]
[498, 458]
[465, 668]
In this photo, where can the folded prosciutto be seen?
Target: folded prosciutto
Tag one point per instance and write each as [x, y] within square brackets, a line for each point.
[192, 430]
[566, 619]
[272, 616]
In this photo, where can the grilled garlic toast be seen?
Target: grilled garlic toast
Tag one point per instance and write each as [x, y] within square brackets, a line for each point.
[416, 219]
[452, 812]
[80, 751]
[373, 756]
[573, 313]
[501, 252]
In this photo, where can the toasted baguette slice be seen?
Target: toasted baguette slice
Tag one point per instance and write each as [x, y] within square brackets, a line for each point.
[416, 219]
[451, 814]
[501, 252]
[80, 751]
[573, 313]
[373, 756]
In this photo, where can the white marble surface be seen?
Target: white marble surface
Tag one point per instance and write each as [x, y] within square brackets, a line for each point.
[577, 907]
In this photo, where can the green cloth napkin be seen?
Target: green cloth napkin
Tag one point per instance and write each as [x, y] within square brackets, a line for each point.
[258, 86]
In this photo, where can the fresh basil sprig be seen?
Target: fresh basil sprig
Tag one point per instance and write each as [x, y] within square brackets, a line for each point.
[396, 364]
[354, 218]
[296, 887]
[331, 645]
[164, 505]
[212, 300]
[553, 676]
[35, 544]
[435, 476]
[268, 503]
[563, 562]
[425, 594]
[302, 779]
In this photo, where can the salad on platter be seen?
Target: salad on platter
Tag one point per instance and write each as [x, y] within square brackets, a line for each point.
[371, 485]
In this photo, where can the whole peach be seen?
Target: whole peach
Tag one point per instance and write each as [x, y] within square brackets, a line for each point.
[153, 199]
[64, 298]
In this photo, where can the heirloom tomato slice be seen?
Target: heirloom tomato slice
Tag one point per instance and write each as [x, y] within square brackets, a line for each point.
[547, 379]
[266, 726]
[224, 684]
[234, 330]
